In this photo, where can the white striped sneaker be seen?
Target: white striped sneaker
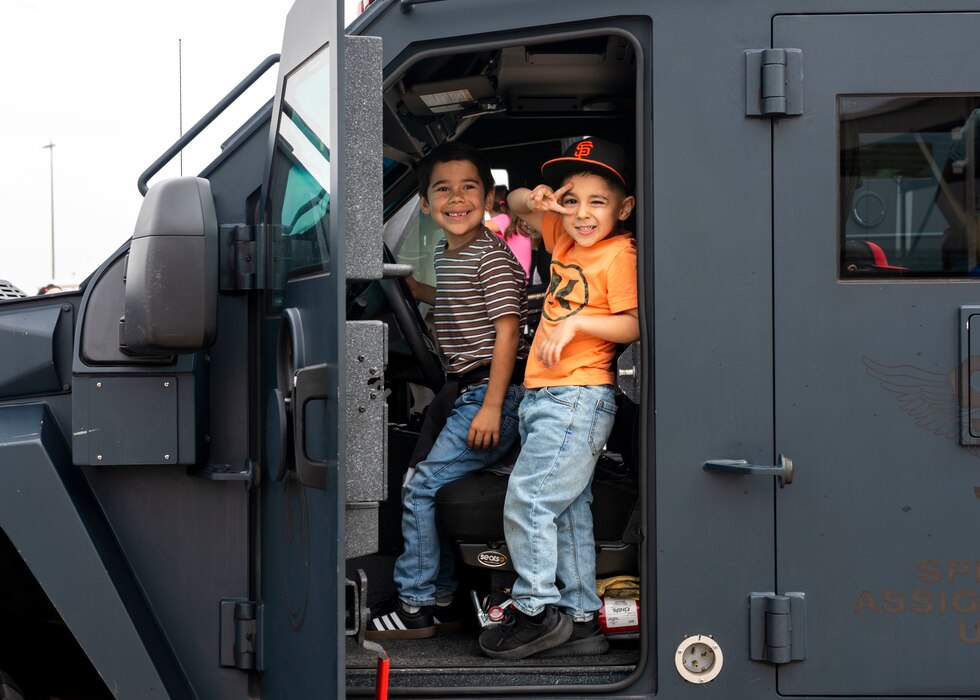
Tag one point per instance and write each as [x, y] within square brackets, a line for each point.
[393, 619]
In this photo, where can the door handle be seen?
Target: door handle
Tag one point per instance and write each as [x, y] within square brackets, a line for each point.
[783, 472]
[309, 384]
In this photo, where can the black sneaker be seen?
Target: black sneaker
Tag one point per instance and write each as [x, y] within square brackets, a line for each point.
[518, 637]
[393, 619]
[586, 640]
[452, 616]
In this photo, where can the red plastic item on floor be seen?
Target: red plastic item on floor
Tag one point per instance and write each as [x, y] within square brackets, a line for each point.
[619, 615]
[381, 680]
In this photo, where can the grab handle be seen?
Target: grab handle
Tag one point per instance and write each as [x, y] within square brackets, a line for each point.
[309, 384]
[783, 472]
[192, 133]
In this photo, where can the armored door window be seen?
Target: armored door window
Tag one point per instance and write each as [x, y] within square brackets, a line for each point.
[299, 198]
[908, 189]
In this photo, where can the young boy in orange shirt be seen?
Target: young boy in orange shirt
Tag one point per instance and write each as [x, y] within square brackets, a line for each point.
[569, 406]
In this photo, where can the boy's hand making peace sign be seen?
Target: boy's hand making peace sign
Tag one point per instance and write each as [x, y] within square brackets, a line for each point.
[542, 198]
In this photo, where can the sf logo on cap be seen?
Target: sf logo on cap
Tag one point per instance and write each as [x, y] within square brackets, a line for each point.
[583, 149]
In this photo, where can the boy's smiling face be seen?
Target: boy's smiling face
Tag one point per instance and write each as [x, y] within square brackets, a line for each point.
[456, 200]
[598, 209]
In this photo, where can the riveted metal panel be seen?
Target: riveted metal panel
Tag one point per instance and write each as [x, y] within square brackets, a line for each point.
[367, 411]
[131, 420]
[367, 433]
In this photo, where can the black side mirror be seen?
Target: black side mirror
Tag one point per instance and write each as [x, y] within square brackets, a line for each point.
[172, 274]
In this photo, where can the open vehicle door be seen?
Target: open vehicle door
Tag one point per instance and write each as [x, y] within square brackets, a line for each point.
[307, 199]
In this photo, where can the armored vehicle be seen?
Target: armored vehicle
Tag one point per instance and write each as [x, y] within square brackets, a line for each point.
[201, 449]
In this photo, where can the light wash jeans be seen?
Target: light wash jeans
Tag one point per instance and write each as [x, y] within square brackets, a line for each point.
[424, 571]
[547, 515]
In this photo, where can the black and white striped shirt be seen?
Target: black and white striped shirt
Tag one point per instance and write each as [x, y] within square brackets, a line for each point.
[476, 284]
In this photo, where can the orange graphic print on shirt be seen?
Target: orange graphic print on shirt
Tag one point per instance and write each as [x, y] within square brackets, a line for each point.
[568, 292]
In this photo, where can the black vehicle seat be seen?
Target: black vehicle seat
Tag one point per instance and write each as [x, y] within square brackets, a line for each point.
[470, 510]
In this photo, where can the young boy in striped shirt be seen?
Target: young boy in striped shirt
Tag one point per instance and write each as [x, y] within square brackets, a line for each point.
[480, 309]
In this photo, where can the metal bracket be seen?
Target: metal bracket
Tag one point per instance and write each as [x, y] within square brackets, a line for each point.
[629, 373]
[248, 473]
[356, 613]
[777, 627]
[773, 82]
[969, 369]
[240, 634]
[242, 257]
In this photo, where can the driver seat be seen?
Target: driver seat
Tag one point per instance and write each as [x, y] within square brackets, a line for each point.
[469, 511]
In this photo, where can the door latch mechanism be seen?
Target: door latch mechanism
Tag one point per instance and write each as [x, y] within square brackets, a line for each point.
[783, 472]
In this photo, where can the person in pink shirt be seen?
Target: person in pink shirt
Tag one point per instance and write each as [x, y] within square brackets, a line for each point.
[505, 226]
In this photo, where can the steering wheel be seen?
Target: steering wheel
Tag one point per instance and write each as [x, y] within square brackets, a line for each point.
[413, 328]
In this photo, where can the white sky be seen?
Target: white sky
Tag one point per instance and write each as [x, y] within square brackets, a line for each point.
[99, 78]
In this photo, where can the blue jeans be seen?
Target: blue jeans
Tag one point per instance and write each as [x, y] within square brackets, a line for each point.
[424, 571]
[547, 515]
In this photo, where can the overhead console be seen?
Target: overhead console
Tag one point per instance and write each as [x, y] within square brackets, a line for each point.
[511, 94]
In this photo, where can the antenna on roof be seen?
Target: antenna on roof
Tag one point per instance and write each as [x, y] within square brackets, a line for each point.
[180, 99]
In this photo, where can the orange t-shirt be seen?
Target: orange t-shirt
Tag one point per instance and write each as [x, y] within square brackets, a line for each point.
[596, 281]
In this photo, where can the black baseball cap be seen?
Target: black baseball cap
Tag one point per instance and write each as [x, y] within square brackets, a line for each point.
[587, 155]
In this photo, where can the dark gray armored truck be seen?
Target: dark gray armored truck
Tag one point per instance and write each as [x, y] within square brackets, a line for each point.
[201, 450]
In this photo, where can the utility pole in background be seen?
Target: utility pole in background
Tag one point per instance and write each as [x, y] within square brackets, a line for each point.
[50, 148]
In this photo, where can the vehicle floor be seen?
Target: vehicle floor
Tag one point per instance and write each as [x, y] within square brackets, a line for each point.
[454, 660]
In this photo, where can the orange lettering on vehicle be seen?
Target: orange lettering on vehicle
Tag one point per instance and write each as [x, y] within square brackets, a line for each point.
[892, 602]
[866, 601]
[956, 567]
[965, 602]
[975, 639]
[921, 602]
[930, 571]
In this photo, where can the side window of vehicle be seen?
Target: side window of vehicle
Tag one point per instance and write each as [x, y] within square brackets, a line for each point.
[413, 238]
[299, 192]
[908, 187]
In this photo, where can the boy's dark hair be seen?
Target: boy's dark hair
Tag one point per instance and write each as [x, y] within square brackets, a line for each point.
[453, 151]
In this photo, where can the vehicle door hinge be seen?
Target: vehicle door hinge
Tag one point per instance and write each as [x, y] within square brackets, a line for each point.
[777, 627]
[773, 82]
[240, 634]
[242, 259]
